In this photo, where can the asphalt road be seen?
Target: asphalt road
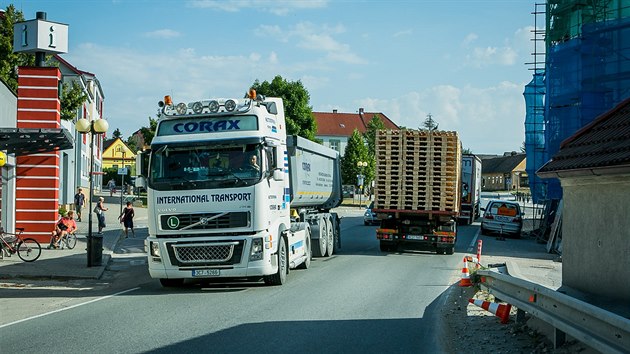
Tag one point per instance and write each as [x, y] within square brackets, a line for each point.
[361, 300]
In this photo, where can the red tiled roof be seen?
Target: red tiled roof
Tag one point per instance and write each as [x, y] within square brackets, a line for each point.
[603, 143]
[343, 124]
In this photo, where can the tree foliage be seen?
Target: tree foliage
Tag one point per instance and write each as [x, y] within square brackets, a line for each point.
[149, 132]
[430, 123]
[355, 151]
[373, 126]
[9, 61]
[72, 97]
[116, 134]
[299, 115]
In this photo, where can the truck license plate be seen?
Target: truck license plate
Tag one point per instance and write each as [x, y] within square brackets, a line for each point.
[206, 272]
[415, 237]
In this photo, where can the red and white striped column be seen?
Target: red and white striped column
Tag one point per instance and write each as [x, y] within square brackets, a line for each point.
[37, 175]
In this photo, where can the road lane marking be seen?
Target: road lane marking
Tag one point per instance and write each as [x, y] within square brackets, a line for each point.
[67, 308]
[474, 241]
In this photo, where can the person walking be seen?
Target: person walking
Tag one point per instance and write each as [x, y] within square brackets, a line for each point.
[112, 187]
[79, 201]
[100, 210]
[127, 219]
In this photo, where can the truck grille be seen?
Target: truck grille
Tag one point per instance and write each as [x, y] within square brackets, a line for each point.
[204, 221]
[206, 253]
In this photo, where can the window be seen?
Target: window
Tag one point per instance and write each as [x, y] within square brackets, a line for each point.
[334, 144]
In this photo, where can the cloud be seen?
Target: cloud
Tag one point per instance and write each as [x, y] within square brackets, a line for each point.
[407, 32]
[162, 34]
[314, 38]
[133, 82]
[507, 54]
[277, 7]
[470, 38]
[488, 119]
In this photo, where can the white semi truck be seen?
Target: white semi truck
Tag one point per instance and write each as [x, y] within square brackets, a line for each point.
[471, 189]
[231, 195]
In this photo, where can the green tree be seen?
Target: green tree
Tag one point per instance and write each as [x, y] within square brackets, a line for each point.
[149, 132]
[430, 123]
[116, 134]
[9, 61]
[72, 97]
[467, 151]
[355, 151]
[373, 126]
[298, 113]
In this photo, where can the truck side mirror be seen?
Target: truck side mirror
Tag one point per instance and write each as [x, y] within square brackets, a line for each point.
[140, 182]
[278, 175]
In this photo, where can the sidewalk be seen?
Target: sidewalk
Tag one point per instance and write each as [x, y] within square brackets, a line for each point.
[72, 264]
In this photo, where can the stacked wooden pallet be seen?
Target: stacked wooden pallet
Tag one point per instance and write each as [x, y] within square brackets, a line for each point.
[418, 170]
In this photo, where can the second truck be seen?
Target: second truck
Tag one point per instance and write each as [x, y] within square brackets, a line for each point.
[231, 195]
[417, 189]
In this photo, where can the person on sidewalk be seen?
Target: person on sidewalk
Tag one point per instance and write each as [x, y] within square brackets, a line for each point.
[127, 219]
[112, 187]
[100, 210]
[79, 201]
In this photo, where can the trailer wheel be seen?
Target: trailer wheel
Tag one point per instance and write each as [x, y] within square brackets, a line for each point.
[307, 262]
[171, 283]
[330, 245]
[449, 250]
[280, 277]
[386, 246]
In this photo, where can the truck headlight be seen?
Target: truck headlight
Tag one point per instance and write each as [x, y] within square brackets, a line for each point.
[257, 250]
[154, 248]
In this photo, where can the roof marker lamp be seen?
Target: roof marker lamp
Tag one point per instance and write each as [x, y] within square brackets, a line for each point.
[181, 108]
[230, 105]
[168, 100]
[213, 106]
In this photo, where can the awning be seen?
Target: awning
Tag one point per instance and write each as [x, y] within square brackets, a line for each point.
[25, 141]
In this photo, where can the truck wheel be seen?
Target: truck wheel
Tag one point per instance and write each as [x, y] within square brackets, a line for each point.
[319, 244]
[171, 283]
[280, 277]
[307, 262]
[330, 245]
[449, 250]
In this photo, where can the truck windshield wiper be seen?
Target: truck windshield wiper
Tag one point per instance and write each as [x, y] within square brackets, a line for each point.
[183, 179]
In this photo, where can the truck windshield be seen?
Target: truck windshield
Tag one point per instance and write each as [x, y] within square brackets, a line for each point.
[180, 167]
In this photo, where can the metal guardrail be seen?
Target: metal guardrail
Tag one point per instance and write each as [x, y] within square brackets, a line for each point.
[591, 325]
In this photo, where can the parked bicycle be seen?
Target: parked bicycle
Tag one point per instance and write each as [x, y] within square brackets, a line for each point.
[27, 249]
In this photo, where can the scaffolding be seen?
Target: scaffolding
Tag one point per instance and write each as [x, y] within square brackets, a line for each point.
[587, 67]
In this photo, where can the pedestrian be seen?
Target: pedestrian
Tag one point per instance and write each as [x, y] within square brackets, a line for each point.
[100, 210]
[79, 201]
[112, 187]
[63, 226]
[127, 219]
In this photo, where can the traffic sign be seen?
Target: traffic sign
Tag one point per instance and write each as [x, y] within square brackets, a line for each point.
[122, 171]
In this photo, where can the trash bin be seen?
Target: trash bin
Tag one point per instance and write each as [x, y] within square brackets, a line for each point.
[95, 250]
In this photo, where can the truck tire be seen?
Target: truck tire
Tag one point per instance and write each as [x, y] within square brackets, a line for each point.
[449, 250]
[319, 244]
[171, 283]
[307, 263]
[280, 277]
[330, 246]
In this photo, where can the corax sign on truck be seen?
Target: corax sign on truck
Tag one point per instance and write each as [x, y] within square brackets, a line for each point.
[230, 194]
[417, 189]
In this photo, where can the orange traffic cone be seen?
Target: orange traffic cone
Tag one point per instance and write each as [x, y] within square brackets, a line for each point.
[465, 281]
[499, 310]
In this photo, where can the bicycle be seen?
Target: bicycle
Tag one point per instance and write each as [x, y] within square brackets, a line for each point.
[27, 249]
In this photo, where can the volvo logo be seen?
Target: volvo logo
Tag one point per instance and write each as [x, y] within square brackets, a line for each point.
[172, 222]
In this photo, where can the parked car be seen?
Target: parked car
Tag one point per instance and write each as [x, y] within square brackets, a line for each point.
[369, 217]
[502, 216]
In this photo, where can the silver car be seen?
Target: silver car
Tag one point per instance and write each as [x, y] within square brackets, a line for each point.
[502, 217]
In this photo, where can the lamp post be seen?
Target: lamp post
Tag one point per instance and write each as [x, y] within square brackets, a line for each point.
[360, 178]
[123, 150]
[98, 126]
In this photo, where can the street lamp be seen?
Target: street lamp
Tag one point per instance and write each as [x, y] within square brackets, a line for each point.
[123, 150]
[98, 126]
[360, 178]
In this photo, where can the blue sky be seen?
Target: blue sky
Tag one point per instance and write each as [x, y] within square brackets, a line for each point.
[462, 61]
